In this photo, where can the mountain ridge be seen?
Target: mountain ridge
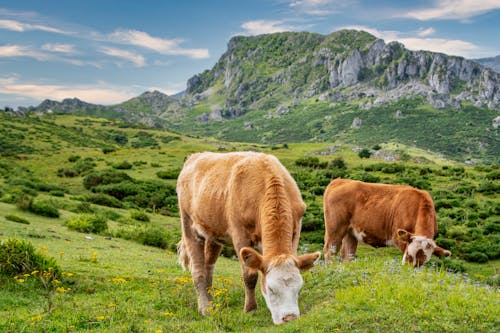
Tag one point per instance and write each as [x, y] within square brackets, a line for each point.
[263, 86]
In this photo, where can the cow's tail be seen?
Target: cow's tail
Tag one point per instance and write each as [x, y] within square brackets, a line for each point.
[182, 255]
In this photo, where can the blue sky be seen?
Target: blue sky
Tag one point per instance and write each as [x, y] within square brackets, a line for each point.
[107, 51]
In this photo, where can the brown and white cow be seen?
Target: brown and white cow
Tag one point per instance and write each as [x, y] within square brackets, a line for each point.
[380, 215]
[247, 200]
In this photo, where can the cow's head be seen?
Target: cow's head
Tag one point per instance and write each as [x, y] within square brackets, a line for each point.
[419, 249]
[281, 281]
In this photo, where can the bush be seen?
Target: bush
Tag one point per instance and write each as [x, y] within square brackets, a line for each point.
[364, 153]
[103, 200]
[311, 162]
[73, 158]
[18, 219]
[489, 187]
[20, 257]
[107, 150]
[105, 177]
[478, 257]
[338, 163]
[139, 216]
[168, 174]
[44, 208]
[123, 165]
[57, 193]
[88, 223]
[149, 235]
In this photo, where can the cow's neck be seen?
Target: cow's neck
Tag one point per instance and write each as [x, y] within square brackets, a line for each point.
[276, 220]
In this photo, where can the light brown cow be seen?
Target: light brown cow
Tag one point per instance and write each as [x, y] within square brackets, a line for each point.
[380, 215]
[247, 200]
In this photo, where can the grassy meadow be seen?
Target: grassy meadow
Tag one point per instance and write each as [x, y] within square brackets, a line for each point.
[96, 196]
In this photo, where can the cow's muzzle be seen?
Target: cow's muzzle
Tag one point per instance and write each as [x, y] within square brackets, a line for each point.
[289, 317]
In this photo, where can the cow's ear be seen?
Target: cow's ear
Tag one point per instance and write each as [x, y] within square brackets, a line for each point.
[306, 261]
[440, 252]
[404, 235]
[251, 258]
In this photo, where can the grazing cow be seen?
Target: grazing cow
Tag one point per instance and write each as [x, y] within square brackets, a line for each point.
[380, 215]
[243, 199]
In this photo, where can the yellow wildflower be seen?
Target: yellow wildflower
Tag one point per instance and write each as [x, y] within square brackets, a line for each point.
[100, 318]
[36, 318]
[118, 280]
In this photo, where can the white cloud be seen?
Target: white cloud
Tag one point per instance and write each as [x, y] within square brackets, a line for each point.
[448, 46]
[137, 59]
[426, 32]
[160, 45]
[14, 51]
[454, 10]
[59, 48]
[259, 27]
[22, 27]
[319, 7]
[97, 93]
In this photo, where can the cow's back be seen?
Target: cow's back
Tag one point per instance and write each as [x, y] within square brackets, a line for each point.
[224, 192]
[379, 209]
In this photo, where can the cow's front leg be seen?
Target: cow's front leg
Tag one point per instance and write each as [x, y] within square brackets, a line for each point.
[250, 280]
[212, 252]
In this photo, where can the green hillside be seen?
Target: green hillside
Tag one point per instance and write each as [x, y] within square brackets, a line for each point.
[98, 196]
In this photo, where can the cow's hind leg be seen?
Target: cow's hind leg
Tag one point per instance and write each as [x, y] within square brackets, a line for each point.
[212, 252]
[349, 246]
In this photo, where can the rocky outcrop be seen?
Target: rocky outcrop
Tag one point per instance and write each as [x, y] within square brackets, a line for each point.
[348, 65]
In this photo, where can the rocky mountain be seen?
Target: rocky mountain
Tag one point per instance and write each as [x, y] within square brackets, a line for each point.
[347, 86]
[345, 65]
[493, 63]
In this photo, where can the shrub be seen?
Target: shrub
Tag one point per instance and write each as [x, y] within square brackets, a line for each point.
[311, 162]
[84, 207]
[364, 153]
[73, 158]
[168, 174]
[107, 150]
[366, 177]
[475, 256]
[18, 219]
[139, 216]
[57, 193]
[489, 187]
[20, 257]
[105, 177]
[491, 227]
[88, 223]
[123, 165]
[338, 163]
[149, 235]
[44, 208]
[24, 202]
[103, 200]
[393, 168]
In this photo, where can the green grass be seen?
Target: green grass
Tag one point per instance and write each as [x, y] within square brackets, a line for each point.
[120, 286]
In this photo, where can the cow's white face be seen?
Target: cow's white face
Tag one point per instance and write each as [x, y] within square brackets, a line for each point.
[419, 250]
[281, 280]
[280, 288]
